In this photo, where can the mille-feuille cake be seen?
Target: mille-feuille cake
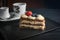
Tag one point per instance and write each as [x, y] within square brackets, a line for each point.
[32, 22]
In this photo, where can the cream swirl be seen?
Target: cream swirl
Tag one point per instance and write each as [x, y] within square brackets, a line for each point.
[40, 17]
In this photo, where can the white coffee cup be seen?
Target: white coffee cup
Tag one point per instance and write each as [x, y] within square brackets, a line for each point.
[19, 8]
[4, 12]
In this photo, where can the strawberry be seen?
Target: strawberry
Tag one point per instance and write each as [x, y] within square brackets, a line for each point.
[29, 13]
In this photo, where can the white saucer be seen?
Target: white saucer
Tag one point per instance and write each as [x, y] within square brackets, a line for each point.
[12, 18]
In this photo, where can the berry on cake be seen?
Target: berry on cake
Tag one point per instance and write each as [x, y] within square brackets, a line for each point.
[29, 21]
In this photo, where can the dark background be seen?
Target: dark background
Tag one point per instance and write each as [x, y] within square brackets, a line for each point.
[54, 4]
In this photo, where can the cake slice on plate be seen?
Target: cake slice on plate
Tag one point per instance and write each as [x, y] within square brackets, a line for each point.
[28, 21]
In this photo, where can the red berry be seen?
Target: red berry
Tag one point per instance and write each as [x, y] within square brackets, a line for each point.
[29, 13]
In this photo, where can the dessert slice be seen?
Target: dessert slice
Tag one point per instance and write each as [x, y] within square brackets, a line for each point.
[27, 21]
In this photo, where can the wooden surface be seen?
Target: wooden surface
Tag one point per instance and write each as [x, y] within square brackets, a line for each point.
[30, 3]
[54, 4]
[0, 3]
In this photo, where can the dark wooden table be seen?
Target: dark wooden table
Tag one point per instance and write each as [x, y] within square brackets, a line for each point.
[7, 28]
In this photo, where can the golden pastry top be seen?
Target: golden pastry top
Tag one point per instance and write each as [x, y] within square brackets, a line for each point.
[24, 16]
[30, 17]
[39, 17]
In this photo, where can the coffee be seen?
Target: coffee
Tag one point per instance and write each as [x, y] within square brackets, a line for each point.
[19, 8]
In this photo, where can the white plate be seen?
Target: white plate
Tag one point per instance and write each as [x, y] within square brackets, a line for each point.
[13, 17]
